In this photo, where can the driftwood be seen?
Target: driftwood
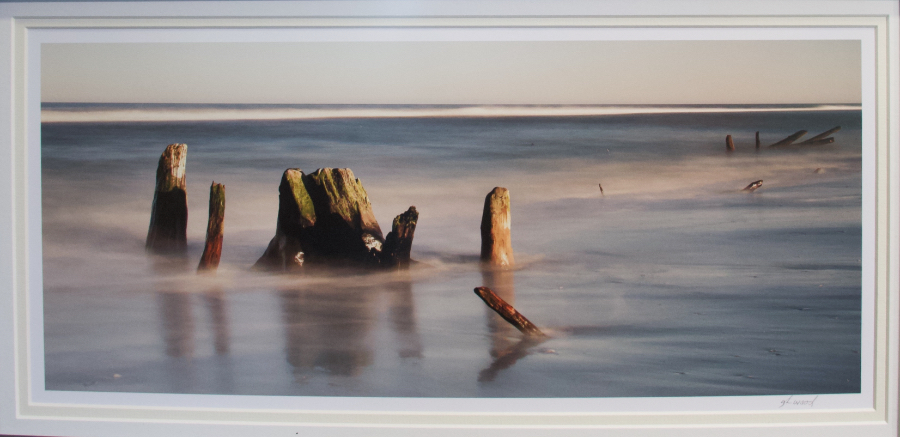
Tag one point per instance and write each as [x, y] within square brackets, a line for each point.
[496, 245]
[168, 218]
[821, 138]
[212, 252]
[753, 185]
[729, 143]
[398, 243]
[507, 312]
[790, 140]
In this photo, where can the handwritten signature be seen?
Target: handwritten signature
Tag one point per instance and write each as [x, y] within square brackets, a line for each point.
[798, 402]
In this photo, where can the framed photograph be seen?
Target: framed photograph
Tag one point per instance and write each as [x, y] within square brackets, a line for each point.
[647, 218]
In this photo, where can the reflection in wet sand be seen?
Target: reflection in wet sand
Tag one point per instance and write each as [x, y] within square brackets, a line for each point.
[503, 335]
[403, 316]
[327, 329]
[507, 344]
[216, 305]
[330, 329]
[175, 308]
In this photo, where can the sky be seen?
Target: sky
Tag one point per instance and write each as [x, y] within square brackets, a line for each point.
[455, 72]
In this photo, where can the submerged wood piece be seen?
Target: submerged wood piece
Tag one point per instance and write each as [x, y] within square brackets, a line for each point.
[507, 312]
[729, 143]
[398, 243]
[496, 245]
[212, 252]
[168, 217]
[324, 216]
[753, 185]
[829, 140]
[790, 140]
[818, 139]
[757, 139]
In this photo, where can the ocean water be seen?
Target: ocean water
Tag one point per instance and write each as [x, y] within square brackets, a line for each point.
[671, 282]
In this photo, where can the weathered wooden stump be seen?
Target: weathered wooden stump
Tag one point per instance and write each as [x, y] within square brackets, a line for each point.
[325, 216]
[757, 140]
[729, 143]
[212, 252]
[398, 243]
[168, 218]
[790, 139]
[496, 244]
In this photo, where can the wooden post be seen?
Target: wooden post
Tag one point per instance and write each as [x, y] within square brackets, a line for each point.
[212, 252]
[496, 245]
[729, 143]
[398, 244]
[757, 139]
[168, 218]
[507, 312]
[790, 140]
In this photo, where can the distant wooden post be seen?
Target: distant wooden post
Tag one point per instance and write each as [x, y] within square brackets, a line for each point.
[790, 140]
[729, 143]
[212, 252]
[496, 245]
[757, 139]
[168, 218]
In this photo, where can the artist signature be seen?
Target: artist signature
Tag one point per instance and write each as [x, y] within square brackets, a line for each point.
[797, 401]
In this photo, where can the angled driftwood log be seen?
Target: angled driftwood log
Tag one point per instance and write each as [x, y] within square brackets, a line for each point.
[753, 185]
[168, 218]
[729, 143]
[398, 243]
[323, 217]
[507, 312]
[790, 139]
[496, 245]
[212, 251]
[822, 138]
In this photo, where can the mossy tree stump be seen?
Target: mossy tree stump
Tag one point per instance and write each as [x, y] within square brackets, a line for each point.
[168, 218]
[325, 216]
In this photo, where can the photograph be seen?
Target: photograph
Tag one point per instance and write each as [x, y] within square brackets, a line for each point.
[674, 238]
[333, 218]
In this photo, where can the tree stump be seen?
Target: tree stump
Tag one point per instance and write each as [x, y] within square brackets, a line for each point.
[729, 143]
[496, 245]
[325, 216]
[398, 243]
[168, 218]
[212, 252]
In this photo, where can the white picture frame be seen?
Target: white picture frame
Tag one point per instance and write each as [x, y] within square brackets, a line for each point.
[25, 409]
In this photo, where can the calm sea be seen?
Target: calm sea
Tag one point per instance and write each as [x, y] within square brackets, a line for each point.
[671, 282]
